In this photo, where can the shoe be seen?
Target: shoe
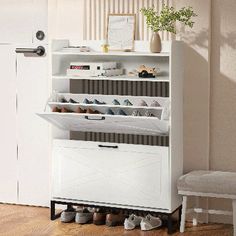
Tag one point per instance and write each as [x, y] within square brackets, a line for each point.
[99, 217]
[115, 219]
[115, 102]
[68, 215]
[90, 111]
[127, 103]
[109, 112]
[150, 222]
[72, 101]
[80, 110]
[136, 113]
[149, 114]
[83, 217]
[121, 113]
[155, 104]
[56, 109]
[86, 101]
[142, 104]
[95, 101]
[63, 100]
[65, 110]
[132, 222]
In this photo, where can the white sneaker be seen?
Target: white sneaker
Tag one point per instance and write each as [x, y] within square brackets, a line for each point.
[132, 222]
[150, 222]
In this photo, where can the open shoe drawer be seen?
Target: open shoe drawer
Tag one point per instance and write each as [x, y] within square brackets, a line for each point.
[107, 123]
[111, 173]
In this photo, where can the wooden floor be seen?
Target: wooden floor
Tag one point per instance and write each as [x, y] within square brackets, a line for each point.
[34, 221]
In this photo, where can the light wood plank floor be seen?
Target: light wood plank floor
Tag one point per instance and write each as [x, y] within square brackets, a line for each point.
[34, 221]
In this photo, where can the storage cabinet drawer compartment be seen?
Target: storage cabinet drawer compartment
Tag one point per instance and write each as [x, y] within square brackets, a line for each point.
[130, 175]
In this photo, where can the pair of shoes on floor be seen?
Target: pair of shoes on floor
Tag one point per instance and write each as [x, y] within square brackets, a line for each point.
[80, 215]
[146, 223]
[95, 101]
[119, 112]
[109, 219]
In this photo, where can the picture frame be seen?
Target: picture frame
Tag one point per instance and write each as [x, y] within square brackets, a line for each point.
[121, 32]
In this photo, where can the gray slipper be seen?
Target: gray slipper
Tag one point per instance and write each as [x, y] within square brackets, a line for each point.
[68, 215]
[83, 217]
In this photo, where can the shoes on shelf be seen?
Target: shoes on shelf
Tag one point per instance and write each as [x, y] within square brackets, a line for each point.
[99, 217]
[136, 113]
[132, 222]
[121, 113]
[56, 109]
[109, 111]
[127, 103]
[115, 102]
[68, 215]
[149, 114]
[80, 110]
[65, 110]
[72, 101]
[63, 100]
[95, 101]
[142, 103]
[155, 104]
[150, 222]
[86, 101]
[84, 216]
[115, 219]
[90, 111]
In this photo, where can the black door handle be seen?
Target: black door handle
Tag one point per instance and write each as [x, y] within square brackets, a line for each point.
[89, 118]
[107, 146]
[40, 50]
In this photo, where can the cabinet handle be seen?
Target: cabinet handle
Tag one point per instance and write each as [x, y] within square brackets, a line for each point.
[106, 146]
[40, 50]
[89, 118]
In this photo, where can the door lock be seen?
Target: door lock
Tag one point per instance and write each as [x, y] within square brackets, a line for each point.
[40, 35]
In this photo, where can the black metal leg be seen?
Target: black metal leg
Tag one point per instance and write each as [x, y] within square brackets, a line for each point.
[54, 216]
[170, 224]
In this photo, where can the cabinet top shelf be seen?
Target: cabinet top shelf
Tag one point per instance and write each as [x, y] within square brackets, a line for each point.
[111, 53]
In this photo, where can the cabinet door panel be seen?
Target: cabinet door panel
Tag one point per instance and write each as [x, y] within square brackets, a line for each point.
[8, 142]
[33, 133]
[132, 178]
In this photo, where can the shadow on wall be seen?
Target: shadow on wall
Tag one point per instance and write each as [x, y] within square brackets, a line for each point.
[197, 100]
[210, 97]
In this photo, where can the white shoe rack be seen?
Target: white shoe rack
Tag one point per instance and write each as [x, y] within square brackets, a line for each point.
[96, 135]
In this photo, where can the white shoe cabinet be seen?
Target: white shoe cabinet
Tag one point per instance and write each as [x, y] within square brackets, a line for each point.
[129, 170]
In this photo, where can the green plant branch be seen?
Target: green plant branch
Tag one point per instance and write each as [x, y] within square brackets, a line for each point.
[165, 21]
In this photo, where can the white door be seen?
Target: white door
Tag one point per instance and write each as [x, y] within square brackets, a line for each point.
[8, 142]
[24, 163]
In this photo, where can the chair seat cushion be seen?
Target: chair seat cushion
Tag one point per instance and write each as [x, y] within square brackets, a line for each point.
[208, 182]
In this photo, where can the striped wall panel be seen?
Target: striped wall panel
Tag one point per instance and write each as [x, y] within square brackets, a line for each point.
[96, 12]
[120, 88]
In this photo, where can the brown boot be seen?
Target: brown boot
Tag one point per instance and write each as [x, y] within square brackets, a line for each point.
[115, 219]
[80, 110]
[99, 218]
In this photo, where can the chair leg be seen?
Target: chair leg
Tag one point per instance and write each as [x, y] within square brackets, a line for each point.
[183, 215]
[195, 214]
[234, 216]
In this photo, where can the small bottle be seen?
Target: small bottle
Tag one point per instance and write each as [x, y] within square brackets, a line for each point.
[105, 47]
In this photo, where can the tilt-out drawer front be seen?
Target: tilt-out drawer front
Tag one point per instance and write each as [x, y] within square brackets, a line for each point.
[111, 173]
[107, 123]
